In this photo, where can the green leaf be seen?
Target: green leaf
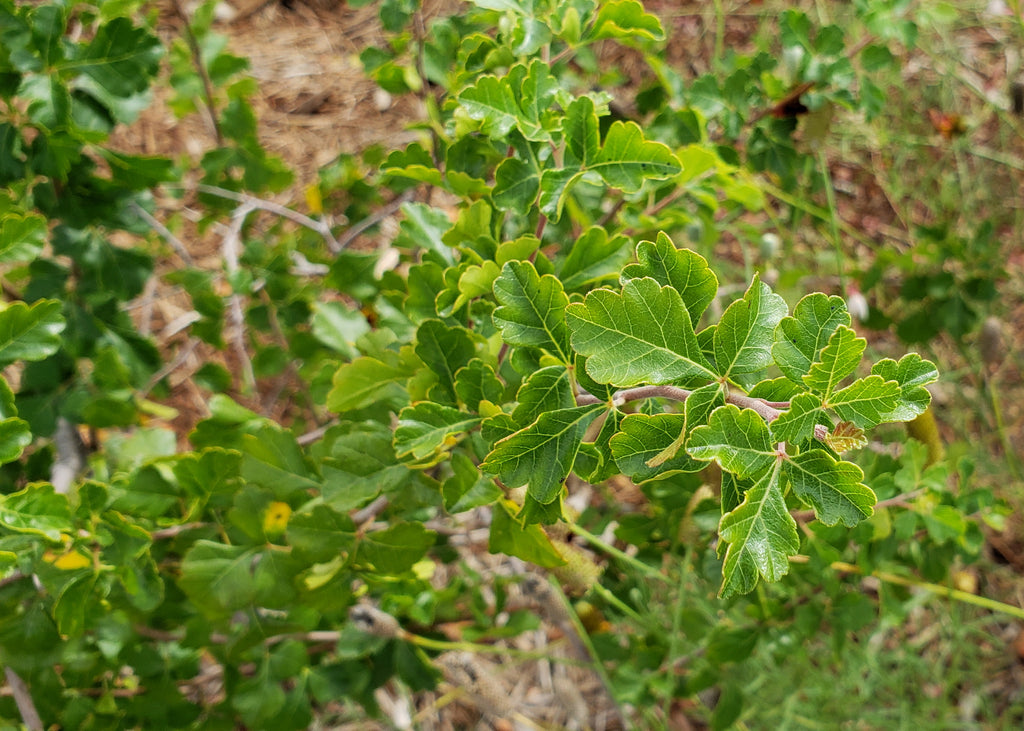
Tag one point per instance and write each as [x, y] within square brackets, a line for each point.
[832, 488]
[836, 361]
[476, 382]
[799, 339]
[796, 424]
[643, 335]
[627, 160]
[537, 91]
[395, 549]
[491, 101]
[555, 185]
[744, 336]
[30, 332]
[338, 326]
[360, 465]
[548, 389]
[36, 510]
[737, 440]
[15, 435]
[364, 381]
[427, 429]
[642, 438]
[530, 543]
[866, 402]
[686, 271]
[467, 488]
[516, 184]
[542, 454]
[22, 237]
[444, 350]
[117, 65]
[626, 19]
[594, 258]
[581, 133]
[219, 578]
[912, 373]
[532, 311]
[761, 536]
[321, 534]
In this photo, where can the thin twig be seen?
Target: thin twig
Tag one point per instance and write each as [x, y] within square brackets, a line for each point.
[179, 360]
[197, 61]
[175, 530]
[23, 699]
[165, 233]
[261, 204]
[230, 247]
[373, 219]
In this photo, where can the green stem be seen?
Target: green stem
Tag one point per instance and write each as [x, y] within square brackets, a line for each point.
[960, 596]
[613, 551]
[429, 643]
[618, 603]
[719, 34]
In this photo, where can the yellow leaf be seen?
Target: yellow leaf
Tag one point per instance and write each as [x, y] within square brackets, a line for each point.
[69, 561]
[314, 200]
[275, 520]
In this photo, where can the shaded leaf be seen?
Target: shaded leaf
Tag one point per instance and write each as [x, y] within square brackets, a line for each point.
[528, 542]
[548, 389]
[321, 534]
[594, 258]
[643, 438]
[444, 349]
[476, 382]
[395, 549]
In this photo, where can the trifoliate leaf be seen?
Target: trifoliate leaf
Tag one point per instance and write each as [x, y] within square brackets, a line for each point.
[542, 454]
[684, 270]
[548, 389]
[643, 335]
[737, 440]
[594, 258]
[832, 488]
[444, 350]
[761, 536]
[627, 160]
[797, 423]
[492, 102]
[836, 360]
[428, 428]
[744, 336]
[867, 401]
[642, 438]
[912, 373]
[532, 311]
[799, 339]
[30, 332]
[477, 382]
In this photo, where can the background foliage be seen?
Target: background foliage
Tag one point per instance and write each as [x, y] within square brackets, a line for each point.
[546, 287]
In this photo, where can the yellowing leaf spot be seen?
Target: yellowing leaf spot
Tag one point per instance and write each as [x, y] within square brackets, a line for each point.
[69, 561]
[275, 520]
